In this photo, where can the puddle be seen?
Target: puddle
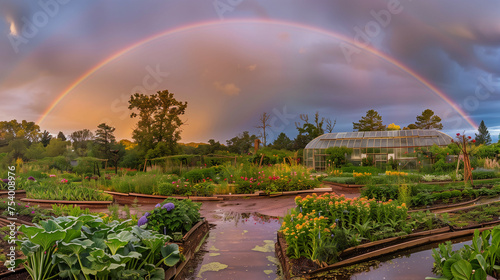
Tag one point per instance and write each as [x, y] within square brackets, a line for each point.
[410, 264]
[240, 246]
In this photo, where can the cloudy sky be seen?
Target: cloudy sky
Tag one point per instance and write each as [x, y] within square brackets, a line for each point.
[70, 65]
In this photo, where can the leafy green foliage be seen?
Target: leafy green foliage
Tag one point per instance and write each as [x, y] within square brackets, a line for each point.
[85, 247]
[471, 262]
[180, 219]
[336, 155]
[371, 122]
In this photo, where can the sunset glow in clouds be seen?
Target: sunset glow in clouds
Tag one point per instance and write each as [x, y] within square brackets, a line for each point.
[70, 65]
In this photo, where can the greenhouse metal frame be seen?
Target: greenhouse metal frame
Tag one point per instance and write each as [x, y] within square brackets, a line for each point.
[403, 146]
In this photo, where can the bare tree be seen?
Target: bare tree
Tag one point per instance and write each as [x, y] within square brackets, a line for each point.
[264, 123]
[330, 125]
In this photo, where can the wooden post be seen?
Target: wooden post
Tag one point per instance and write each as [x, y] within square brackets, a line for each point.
[261, 158]
[145, 162]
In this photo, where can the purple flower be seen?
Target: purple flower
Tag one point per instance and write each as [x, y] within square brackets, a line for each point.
[5, 181]
[142, 221]
[157, 205]
[169, 206]
[147, 214]
[31, 178]
[32, 212]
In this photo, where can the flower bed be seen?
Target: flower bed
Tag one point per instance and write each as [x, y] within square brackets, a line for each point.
[320, 228]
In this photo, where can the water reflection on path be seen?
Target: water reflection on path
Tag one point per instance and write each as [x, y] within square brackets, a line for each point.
[240, 246]
[411, 264]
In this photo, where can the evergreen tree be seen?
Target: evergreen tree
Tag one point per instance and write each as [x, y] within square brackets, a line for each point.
[45, 138]
[282, 142]
[371, 122]
[484, 136]
[427, 121]
[104, 140]
[61, 136]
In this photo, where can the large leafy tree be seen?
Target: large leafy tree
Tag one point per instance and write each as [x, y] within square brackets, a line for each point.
[371, 122]
[427, 121]
[241, 143]
[80, 139]
[159, 121]
[484, 136]
[310, 130]
[13, 129]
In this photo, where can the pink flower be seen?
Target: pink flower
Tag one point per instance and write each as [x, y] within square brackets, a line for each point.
[458, 134]
[52, 175]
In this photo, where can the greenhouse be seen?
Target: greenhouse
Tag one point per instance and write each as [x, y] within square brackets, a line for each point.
[408, 148]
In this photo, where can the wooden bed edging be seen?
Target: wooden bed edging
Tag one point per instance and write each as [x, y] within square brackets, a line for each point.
[14, 274]
[431, 236]
[190, 245]
[446, 206]
[391, 239]
[83, 204]
[402, 246]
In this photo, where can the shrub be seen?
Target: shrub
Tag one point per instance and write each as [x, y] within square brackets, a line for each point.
[380, 192]
[166, 189]
[483, 174]
[456, 193]
[422, 199]
[173, 215]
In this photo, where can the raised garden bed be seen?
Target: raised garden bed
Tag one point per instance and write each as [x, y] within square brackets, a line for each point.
[346, 188]
[303, 268]
[472, 217]
[189, 245]
[19, 194]
[83, 204]
[19, 273]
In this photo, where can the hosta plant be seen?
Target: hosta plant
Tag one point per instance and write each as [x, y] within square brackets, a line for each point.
[87, 248]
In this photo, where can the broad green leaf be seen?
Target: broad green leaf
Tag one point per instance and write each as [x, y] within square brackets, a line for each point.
[170, 254]
[125, 258]
[479, 274]
[158, 274]
[47, 239]
[461, 270]
[28, 247]
[30, 231]
[447, 268]
[115, 244]
[481, 261]
[76, 246]
[50, 225]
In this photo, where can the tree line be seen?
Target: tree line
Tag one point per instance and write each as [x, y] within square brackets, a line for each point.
[158, 132]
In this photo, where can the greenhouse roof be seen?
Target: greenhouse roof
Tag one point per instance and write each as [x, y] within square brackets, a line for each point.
[381, 139]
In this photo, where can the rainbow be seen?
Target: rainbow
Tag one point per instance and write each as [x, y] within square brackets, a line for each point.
[338, 36]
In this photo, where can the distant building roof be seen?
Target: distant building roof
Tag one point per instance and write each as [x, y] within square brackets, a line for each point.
[381, 139]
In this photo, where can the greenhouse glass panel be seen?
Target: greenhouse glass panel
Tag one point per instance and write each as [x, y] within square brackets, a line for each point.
[369, 134]
[410, 141]
[404, 142]
[390, 142]
[357, 143]
[397, 142]
[377, 143]
[370, 143]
